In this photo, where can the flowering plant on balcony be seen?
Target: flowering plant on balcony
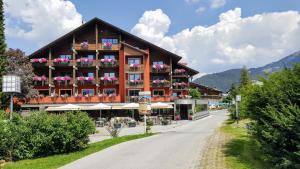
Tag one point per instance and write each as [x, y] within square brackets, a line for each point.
[180, 71]
[85, 60]
[108, 61]
[84, 45]
[82, 78]
[158, 67]
[134, 65]
[38, 60]
[61, 60]
[107, 45]
[135, 81]
[109, 79]
[182, 84]
[62, 78]
[40, 78]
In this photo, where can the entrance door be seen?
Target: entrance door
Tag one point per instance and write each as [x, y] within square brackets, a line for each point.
[184, 112]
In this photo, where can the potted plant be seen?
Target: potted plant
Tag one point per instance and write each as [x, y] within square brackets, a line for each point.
[132, 123]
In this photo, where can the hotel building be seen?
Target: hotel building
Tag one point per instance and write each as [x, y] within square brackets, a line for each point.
[101, 63]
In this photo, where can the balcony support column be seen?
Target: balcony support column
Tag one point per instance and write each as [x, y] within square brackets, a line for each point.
[147, 71]
[50, 71]
[74, 68]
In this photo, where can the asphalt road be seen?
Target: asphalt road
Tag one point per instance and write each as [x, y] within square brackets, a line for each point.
[177, 148]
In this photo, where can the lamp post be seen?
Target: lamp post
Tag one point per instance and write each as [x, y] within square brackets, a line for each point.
[11, 84]
[238, 99]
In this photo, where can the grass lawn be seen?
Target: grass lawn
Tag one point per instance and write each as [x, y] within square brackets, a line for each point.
[241, 151]
[56, 161]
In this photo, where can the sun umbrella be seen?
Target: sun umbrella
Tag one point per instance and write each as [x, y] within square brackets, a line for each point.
[160, 105]
[131, 106]
[99, 106]
[67, 107]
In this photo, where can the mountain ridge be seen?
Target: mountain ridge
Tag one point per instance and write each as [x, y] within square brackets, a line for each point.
[224, 80]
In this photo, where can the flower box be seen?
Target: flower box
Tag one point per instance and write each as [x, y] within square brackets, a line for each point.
[134, 66]
[82, 78]
[109, 79]
[84, 45]
[107, 45]
[85, 60]
[107, 61]
[62, 78]
[179, 71]
[38, 60]
[135, 82]
[61, 60]
[39, 78]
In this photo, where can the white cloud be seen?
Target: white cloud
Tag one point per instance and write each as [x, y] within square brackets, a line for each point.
[230, 43]
[191, 1]
[200, 10]
[40, 21]
[217, 3]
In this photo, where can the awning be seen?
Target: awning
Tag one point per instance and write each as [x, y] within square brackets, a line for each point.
[160, 105]
[67, 107]
[131, 106]
[99, 106]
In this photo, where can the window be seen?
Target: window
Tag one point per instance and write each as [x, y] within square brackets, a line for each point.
[158, 78]
[133, 92]
[111, 40]
[89, 92]
[64, 74]
[64, 92]
[90, 56]
[65, 56]
[134, 61]
[109, 56]
[44, 92]
[109, 91]
[158, 92]
[134, 77]
[111, 74]
[86, 74]
[158, 63]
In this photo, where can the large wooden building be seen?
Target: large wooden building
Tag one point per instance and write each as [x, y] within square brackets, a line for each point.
[98, 62]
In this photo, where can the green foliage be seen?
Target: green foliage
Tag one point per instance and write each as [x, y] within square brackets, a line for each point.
[274, 107]
[245, 77]
[2, 35]
[194, 93]
[200, 107]
[42, 134]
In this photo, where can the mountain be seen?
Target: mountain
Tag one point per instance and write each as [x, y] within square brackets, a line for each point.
[224, 80]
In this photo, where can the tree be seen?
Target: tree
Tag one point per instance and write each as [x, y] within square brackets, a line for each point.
[245, 77]
[2, 45]
[194, 93]
[274, 108]
[20, 65]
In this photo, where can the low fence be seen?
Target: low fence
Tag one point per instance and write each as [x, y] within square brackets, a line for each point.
[200, 115]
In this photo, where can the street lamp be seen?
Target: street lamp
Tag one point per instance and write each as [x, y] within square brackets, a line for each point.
[11, 84]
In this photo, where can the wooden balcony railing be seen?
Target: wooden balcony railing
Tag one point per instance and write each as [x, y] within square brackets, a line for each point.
[109, 83]
[62, 82]
[74, 99]
[87, 64]
[138, 69]
[102, 46]
[134, 99]
[109, 65]
[160, 83]
[79, 46]
[130, 84]
[160, 98]
[163, 69]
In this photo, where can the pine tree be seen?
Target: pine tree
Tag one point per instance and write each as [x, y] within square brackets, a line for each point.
[245, 77]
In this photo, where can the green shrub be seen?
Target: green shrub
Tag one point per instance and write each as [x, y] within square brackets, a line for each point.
[42, 134]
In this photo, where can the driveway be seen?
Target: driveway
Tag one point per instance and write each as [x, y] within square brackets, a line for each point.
[176, 148]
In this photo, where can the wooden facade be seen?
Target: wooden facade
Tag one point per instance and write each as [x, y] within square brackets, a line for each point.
[98, 62]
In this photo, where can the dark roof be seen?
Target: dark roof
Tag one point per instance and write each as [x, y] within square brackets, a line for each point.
[94, 20]
[203, 86]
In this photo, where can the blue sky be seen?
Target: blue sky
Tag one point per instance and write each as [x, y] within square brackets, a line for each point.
[211, 35]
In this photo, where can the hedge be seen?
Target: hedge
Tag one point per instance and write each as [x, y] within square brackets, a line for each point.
[42, 134]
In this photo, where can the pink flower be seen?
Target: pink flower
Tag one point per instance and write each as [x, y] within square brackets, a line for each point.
[84, 44]
[107, 44]
[81, 78]
[67, 78]
[113, 78]
[90, 78]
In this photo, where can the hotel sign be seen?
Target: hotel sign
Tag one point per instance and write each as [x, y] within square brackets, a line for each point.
[144, 102]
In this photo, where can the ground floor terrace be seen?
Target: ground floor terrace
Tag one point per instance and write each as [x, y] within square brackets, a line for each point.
[181, 109]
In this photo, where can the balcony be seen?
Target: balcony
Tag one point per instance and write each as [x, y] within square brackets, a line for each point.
[39, 62]
[74, 99]
[84, 46]
[180, 73]
[134, 84]
[173, 98]
[62, 62]
[107, 81]
[40, 80]
[136, 68]
[62, 80]
[160, 68]
[85, 80]
[108, 47]
[160, 83]
[180, 86]
[86, 62]
[157, 98]
[134, 99]
[108, 63]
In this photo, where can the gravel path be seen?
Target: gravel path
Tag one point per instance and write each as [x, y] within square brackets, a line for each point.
[175, 148]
